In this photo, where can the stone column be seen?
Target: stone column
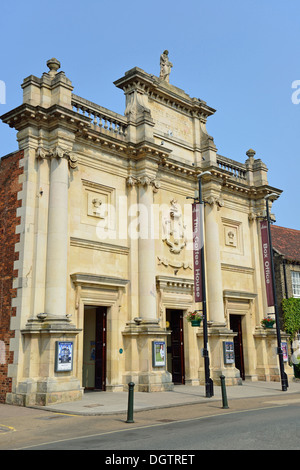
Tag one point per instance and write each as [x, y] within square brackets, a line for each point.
[146, 247]
[133, 288]
[213, 264]
[57, 241]
[142, 330]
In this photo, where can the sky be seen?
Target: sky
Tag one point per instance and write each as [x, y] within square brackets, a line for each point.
[241, 57]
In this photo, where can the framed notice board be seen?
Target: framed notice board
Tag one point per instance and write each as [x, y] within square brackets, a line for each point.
[228, 351]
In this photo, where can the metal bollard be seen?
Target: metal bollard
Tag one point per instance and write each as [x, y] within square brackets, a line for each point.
[130, 403]
[224, 394]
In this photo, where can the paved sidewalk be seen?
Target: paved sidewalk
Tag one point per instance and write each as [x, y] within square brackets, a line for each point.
[99, 403]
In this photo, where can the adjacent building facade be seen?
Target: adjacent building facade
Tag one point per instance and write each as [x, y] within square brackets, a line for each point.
[286, 247]
[102, 273]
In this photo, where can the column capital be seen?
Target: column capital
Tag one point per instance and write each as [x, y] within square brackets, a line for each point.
[143, 180]
[214, 201]
[57, 152]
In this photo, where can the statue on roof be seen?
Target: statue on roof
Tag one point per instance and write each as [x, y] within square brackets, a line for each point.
[165, 66]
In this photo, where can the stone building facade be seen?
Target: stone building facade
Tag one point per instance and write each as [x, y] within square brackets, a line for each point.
[104, 273]
[286, 248]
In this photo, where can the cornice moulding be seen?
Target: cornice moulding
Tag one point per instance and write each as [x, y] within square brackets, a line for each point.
[168, 283]
[159, 89]
[237, 269]
[94, 280]
[239, 295]
[99, 246]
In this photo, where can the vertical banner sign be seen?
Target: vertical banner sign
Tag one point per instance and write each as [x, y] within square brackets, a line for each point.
[197, 246]
[267, 261]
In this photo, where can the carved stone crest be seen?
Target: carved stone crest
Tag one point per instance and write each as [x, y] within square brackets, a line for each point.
[173, 228]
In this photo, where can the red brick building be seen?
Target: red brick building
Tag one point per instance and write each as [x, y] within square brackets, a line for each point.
[10, 185]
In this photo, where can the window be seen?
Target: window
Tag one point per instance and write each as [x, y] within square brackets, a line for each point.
[296, 283]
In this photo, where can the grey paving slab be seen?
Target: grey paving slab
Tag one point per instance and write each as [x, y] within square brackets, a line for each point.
[97, 403]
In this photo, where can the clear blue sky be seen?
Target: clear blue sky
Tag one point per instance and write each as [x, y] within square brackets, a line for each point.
[241, 57]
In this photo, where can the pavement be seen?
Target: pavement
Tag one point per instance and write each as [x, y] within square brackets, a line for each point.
[105, 403]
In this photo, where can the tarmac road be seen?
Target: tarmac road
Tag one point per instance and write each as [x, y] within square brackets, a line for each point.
[271, 428]
[268, 419]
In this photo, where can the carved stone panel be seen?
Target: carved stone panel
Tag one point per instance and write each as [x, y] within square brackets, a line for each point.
[98, 204]
[232, 236]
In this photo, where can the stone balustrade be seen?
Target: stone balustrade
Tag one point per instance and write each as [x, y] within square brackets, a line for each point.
[100, 117]
[236, 169]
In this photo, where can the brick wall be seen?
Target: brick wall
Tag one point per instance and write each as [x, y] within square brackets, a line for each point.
[9, 187]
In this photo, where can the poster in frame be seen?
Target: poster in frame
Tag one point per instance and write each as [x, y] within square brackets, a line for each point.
[284, 347]
[63, 356]
[228, 351]
[159, 353]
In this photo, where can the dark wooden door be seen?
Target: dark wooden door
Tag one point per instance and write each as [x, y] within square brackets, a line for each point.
[236, 326]
[100, 349]
[177, 346]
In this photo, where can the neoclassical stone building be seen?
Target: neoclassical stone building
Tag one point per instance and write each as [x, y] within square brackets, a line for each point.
[103, 274]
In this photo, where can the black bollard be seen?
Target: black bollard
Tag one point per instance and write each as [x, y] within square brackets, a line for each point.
[130, 403]
[224, 394]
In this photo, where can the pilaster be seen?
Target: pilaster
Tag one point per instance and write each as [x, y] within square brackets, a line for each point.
[145, 328]
[213, 260]
[42, 319]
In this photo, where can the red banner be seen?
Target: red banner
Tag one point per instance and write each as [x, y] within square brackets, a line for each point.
[267, 261]
[197, 246]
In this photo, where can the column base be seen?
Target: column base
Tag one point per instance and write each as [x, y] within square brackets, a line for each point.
[44, 383]
[150, 382]
[138, 337]
[46, 391]
[217, 334]
[232, 376]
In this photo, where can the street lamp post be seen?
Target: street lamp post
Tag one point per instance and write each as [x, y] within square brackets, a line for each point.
[209, 390]
[283, 375]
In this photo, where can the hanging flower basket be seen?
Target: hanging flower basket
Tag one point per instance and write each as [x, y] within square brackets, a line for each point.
[195, 322]
[194, 318]
[268, 322]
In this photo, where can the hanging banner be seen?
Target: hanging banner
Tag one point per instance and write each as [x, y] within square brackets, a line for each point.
[267, 261]
[197, 246]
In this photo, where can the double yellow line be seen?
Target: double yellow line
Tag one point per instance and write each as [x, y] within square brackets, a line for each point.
[9, 428]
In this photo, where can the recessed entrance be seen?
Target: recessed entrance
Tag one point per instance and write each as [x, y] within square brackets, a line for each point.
[94, 348]
[236, 326]
[175, 346]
